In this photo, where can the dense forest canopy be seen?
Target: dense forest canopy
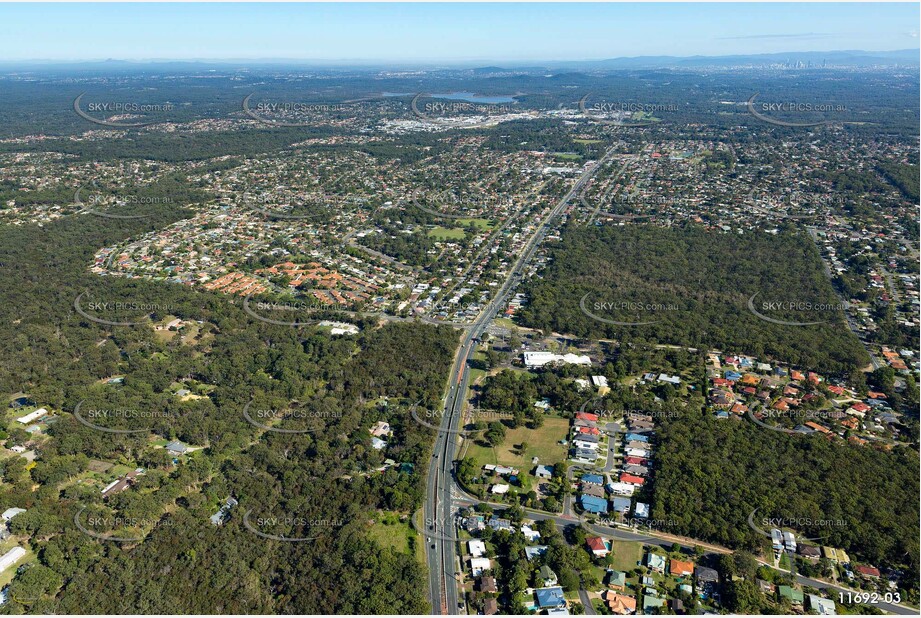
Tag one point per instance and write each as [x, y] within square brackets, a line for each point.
[318, 484]
[693, 286]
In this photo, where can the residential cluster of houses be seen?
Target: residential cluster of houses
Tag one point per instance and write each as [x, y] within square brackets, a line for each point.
[741, 385]
[587, 440]
[799, 601]
[503, 473]
[545, 597]
[600, 496]
[623, 601]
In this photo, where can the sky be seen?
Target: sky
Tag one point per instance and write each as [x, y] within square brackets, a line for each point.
[445, 33]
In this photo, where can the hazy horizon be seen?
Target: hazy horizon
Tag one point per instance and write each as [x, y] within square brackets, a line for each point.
[444, 33]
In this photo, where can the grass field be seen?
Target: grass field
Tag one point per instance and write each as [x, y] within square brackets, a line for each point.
[482, 224]
[626, 555]
[444, 233]
[542, 443]
[457, 233]
[389, 531]
[566, 156]
[587, 141]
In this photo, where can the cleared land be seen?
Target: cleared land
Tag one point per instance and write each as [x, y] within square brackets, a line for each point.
[542, 443]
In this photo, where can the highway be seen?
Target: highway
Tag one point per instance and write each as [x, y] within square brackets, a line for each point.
[439, 510]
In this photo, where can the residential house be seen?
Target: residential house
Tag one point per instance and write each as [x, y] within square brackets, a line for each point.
[530, 534]
[487, 583]
[593, 504]
[706, 575]
[792, 594]
[821, 606]
[534, 551]
[478, 565]
[616, 580]
[597, 546]
[680, 568]
[641, 510]
[224, 512]
[476, 548]
[655, 562]
[620, 505]
[546, 575]
[550, 598]
[619, 604]
[867, 571]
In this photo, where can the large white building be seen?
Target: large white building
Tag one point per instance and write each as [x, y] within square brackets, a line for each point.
[539, 359]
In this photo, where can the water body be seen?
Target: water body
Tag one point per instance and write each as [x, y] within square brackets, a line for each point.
[469, 97]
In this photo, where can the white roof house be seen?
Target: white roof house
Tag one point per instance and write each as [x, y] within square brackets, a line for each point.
[476, 547]
[11, 557]
[622, 489]
[31, 416]
[529, 533]
[824, 607]
[11, 513]
[478, 565]
[500, 488]
[636, 452]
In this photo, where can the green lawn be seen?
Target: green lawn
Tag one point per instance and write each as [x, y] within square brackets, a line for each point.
[483, 224]
[566, 156]
[626, 555]
[587, 141]
[388, 531]
[542, 443]
[443, 233]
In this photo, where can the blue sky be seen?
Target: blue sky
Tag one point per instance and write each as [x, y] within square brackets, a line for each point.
[444, 32]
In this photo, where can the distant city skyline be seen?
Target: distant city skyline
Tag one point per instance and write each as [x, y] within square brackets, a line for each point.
[445, 33]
